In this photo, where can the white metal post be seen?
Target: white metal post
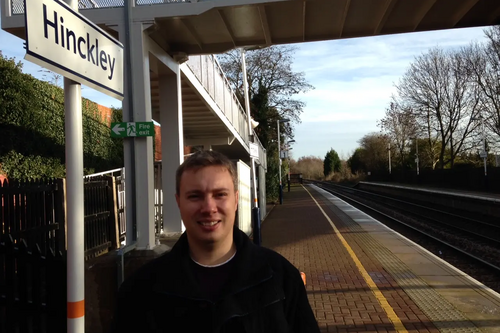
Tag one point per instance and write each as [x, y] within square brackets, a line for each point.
[389, 149]
[249, 124]
[279, 163]
[279, 148]
[129, 152]
[417, 158]
[255, 210]
[484, 147]
[483, 154]
[75, 213]
[245, 87]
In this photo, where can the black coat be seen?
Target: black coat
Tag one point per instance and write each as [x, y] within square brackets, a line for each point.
[265, 293]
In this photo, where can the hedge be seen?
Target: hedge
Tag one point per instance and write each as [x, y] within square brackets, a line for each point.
[32, 128]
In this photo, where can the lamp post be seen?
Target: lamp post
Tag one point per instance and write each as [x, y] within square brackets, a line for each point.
[279, 156]
[255, 210]
[389, 150]
[483, 154]
[416, 155]
[289, 169]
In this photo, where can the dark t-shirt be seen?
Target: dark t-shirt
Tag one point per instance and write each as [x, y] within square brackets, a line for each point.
[212, 279]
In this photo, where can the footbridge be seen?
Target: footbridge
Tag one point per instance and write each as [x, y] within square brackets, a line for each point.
[175, 80]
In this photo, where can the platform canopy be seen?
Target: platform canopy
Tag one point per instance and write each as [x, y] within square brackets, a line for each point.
[220, 26]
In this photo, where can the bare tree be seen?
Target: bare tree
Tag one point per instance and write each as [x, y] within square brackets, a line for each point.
[399, 124]
[270, 69]
[483, 62]
[374, 152]
[311, 167]
[492, 81]
[438, 87]
[429, 155]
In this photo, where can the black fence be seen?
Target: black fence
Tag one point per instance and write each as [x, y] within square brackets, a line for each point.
[34, 212]
[471, 179]
[33, 248]
[32, 289]
[102, 232]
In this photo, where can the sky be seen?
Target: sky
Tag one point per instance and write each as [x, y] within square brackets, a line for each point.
[353, 78]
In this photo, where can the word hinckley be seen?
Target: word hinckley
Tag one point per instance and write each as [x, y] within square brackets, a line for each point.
[86, 48]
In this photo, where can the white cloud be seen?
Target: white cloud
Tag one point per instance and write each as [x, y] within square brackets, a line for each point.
[356, 99]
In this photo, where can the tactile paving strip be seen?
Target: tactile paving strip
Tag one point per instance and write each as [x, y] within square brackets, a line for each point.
[441, 312]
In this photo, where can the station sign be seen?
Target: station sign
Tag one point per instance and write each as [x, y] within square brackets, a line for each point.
[66, 42]
[134, 129]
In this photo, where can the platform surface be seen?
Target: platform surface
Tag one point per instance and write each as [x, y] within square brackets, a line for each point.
[364, 277]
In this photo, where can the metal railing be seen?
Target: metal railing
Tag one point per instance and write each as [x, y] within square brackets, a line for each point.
[17, 6]
[212, 78]
[209, 73]
[262, 152]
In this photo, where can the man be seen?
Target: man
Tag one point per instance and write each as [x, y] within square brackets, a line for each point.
[214, 279]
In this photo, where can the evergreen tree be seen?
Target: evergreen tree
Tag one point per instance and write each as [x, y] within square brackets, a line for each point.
[331, 163]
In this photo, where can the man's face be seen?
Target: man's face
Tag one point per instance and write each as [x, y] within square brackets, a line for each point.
[207, 202]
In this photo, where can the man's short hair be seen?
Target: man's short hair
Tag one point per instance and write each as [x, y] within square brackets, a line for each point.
[202, 159]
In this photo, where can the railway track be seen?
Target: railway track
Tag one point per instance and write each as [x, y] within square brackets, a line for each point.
[469, 243]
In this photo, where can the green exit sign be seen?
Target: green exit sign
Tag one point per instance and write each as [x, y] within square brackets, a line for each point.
[125, 130]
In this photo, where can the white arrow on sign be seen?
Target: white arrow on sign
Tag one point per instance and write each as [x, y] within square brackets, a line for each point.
[117, 129]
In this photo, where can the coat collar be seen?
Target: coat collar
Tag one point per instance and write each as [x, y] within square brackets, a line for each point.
[174, 275]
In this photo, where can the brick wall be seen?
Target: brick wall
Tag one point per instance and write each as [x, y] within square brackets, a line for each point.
[3, 176]
[105, 113]
[157, 143]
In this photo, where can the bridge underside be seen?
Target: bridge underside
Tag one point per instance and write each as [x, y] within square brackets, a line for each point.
[219, 29]
[216, 26]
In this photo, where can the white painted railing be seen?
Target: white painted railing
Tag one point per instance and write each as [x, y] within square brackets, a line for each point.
[209, 73]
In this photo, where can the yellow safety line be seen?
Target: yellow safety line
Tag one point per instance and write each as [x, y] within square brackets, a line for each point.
[398, 325]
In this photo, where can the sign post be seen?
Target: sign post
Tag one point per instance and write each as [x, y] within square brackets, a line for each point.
[60, 39]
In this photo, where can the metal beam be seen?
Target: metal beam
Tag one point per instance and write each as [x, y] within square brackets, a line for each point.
[215, 141]
[207, 126]
[265, 24]
[347, 5]
[494, 17]
[193, 33]
[227, 25]
[387, 10]
[192, 103]
[204, 118]
[194, 108]
[304, 21]
[426, 6]
[461, 12]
